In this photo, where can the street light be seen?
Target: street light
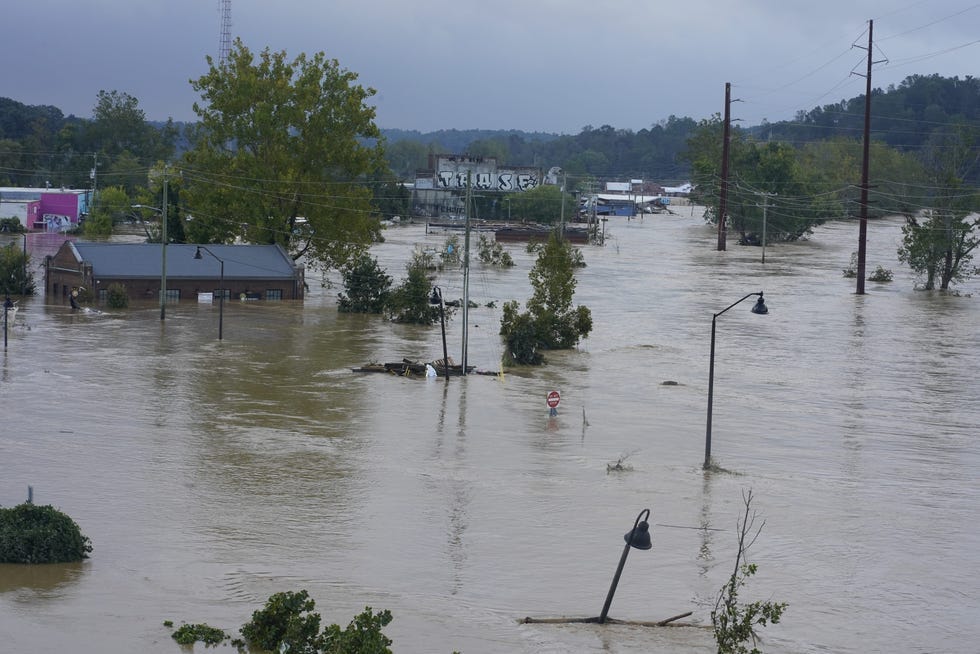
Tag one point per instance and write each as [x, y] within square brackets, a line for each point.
[760, 308]
[638, 537]
[8, 306]
[436, 298]
[221, 286]
[163, 250]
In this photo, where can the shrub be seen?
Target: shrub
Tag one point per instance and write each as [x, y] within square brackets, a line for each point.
[117, 298]
[287, 619]
[288, 623]
[40, 534]
[493, 253]
[188, 634]
[880, 274]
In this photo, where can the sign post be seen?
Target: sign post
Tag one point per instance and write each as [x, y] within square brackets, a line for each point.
[554, 397]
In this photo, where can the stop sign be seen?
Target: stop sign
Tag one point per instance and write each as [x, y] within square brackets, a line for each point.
[553, 399]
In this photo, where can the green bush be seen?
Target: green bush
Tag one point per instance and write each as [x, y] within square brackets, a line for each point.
[288, 623]
[40, 534]
[188, 634]
[117, 298]
[880, 274]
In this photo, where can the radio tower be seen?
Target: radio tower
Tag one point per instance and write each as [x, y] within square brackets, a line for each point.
[224, 6]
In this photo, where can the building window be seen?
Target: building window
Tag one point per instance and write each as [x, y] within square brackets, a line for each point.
[103, 295]
[273, 294]
[173, 294]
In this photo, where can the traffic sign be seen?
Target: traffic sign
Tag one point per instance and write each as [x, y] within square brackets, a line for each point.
[553, 399]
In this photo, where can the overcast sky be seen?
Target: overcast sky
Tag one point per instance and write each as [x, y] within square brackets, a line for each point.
[536, 65]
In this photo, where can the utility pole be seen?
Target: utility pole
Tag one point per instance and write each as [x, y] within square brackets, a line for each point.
[723, 196]
[865, 165]
[466, 275]
[95, 165]
[765, 211]
[163, 251]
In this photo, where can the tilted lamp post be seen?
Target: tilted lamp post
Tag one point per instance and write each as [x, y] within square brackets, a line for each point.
[638, 537]
[436, 298]
[760, 308]
[221, 286]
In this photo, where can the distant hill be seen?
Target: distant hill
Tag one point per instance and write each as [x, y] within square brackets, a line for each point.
[458, 140]
[906, 117]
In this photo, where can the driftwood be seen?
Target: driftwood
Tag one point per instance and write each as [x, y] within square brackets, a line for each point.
[669, 622]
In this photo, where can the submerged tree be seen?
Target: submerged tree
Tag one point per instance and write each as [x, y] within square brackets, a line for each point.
[938, 245]
[16, 277]
[111, 206]
[735, 623]
[282, 154]
[550, 321]
[367, 287]
[409, 302]
[288, 623]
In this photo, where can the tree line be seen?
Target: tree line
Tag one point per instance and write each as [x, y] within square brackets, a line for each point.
[288, 152]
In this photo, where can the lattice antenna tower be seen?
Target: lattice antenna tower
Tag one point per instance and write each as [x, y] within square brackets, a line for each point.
[224, 46]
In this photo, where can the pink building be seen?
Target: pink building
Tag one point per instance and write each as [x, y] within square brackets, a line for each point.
[52, 210]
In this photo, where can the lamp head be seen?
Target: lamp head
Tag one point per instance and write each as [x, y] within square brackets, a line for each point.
[197, 254]
[760, 305]
[639, 536]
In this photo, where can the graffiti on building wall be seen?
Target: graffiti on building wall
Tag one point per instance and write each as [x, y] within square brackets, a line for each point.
[488, 181]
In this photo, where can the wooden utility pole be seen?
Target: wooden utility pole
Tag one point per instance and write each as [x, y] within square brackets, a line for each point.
[723, 196]
[863, 229]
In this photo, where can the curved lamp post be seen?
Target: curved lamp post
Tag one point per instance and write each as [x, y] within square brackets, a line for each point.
[638, 537]
[436, 298]
[760, 308]
[221, 286]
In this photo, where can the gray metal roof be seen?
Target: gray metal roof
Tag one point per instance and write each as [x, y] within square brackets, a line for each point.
[135, 260]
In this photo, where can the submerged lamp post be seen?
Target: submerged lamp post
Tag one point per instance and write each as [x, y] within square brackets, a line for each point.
[8, 304]
[638, 537]
[760, 308]
[221, 285]
[436, 298]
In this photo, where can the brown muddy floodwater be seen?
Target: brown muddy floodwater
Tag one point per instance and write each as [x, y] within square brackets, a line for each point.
[210, 475]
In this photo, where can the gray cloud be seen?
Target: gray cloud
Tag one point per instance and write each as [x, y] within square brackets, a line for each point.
[549, 65]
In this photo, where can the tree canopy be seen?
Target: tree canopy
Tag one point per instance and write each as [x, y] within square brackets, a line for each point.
[550, 322]
[280, 156]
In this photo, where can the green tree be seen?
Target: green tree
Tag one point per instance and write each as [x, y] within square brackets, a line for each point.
[550, 322]
[543, 204]
[939, 243]
[111, 206]
[286, 623]
[367, 287]
[120, 131]
[406, 156]
[409, 302]
[282, 153]
[16, 277]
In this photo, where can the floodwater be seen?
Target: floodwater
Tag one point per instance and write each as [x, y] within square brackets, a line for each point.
[211, 474]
